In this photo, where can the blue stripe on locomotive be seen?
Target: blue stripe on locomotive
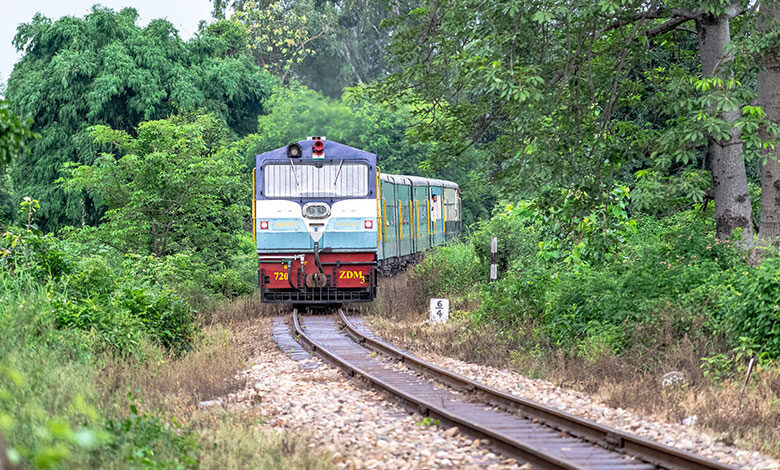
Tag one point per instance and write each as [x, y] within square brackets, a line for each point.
[349, 239]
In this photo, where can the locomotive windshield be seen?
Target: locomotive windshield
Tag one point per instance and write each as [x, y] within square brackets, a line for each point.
[332, 179]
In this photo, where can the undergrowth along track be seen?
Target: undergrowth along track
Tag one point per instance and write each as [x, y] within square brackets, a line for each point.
[534, 433]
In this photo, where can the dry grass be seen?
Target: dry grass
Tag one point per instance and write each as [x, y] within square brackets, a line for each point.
[242, 310]
[399, 297]
[630, 380]
[174, 386]
[235, 441]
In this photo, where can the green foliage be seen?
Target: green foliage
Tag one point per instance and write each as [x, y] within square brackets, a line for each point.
[572, 99]
[171, 189]
[517, 235]
[106, 70]
[89, 293]
[45, 387]
[449, 269]
[600, 341]
[325, 45]
[48, 384]
[659, 194]
[427, 421]
[149, 441]
[13, 133]
[29, 253]
[661, 263]
[558, 228]
[579, 231]
[750, 311]
[66, 308]
[280, 37]
[593, 309]
[478, 73]
[718, 366]
[55, 442]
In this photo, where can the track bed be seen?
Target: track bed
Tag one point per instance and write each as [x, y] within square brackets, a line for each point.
[533, 433]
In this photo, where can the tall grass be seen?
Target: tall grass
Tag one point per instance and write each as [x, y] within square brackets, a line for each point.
[102, 357]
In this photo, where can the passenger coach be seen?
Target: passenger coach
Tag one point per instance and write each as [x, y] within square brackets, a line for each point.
[326, 220]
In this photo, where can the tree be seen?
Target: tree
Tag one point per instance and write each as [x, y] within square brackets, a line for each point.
[552, 90]
[327, 45]
[105, 70]
[280, 36]
[769, 100]
[730, 189]
[14, 132]
[173, 188]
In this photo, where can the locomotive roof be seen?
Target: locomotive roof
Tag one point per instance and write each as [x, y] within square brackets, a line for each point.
[418, 180]
[332, 150]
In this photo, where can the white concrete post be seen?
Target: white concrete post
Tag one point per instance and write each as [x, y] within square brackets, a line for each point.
[493, 259]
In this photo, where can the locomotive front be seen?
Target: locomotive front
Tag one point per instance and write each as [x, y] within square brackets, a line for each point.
[315, 222]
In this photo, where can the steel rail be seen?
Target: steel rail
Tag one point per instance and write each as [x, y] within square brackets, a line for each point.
[538, 458]
[644, 449]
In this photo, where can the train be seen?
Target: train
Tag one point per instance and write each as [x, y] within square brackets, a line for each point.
[327, 222]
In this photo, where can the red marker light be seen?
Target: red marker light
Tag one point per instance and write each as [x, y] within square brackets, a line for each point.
[318, 147]
[369, 224]
[264, 225]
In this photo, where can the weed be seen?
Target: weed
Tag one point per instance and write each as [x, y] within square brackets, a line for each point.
[428, 421]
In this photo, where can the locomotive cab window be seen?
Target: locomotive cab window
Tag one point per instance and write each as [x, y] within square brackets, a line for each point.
[334, 179]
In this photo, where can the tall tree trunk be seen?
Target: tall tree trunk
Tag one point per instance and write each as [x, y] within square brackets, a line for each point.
[730, 189]
[769, 100]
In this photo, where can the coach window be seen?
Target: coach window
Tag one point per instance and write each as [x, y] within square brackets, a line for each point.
[390, 212]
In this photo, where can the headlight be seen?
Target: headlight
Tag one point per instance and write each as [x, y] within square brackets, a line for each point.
[316, 210]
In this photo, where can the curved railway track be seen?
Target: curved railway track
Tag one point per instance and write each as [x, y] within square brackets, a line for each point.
[534, 433]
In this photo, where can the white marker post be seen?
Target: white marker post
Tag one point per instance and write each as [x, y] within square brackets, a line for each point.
[493, 259]
[440, 310]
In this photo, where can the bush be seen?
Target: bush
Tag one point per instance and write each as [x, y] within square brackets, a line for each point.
[449, 269]
[750, 308]
[516, 301]
[46, 384]
[55, 329]
[663, 262]
[518, 238]
[29, 252]
[121, 300]
[602, 308]
[150, 441]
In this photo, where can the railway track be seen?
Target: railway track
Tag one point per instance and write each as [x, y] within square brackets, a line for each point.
[534, 433]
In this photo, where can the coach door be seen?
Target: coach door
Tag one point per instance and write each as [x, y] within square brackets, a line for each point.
[404, 209]
[390, 218]
[421, 215]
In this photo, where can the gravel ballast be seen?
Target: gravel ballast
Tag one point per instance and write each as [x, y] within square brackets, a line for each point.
[356, 425]
[682, 436]
[360, 429]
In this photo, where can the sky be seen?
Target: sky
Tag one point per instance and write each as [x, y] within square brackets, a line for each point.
[183, 14]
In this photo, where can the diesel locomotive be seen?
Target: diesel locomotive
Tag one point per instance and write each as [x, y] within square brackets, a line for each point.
[327, 222]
